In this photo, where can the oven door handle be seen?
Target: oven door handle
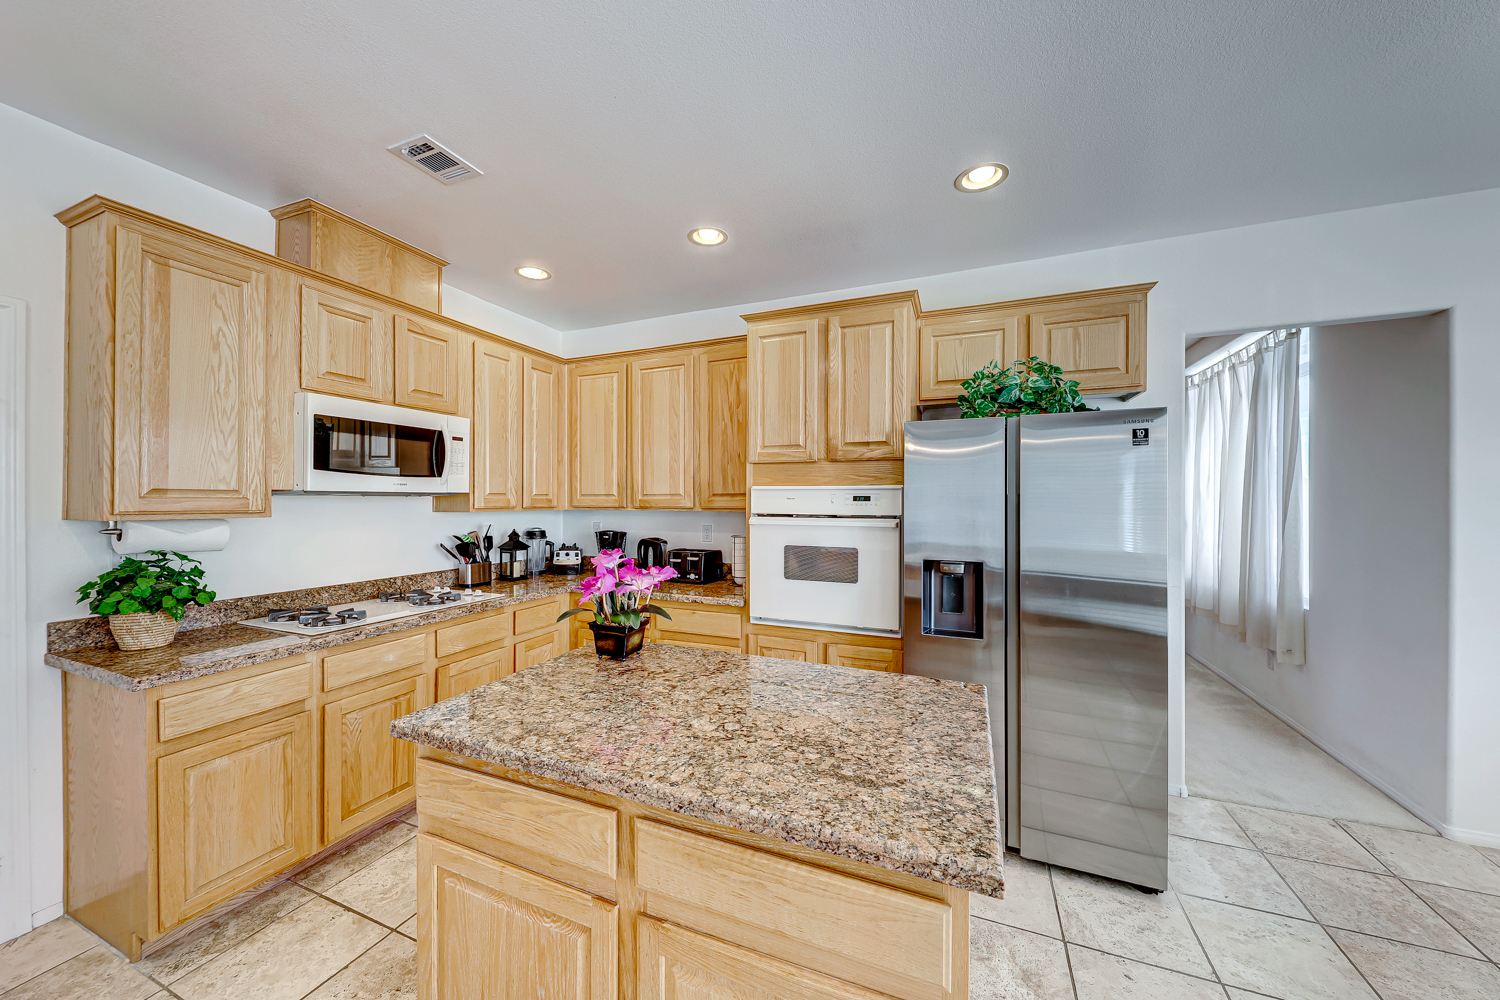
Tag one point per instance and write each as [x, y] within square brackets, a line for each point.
[823, 521]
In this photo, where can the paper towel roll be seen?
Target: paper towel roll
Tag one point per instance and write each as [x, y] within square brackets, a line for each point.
[174, 536]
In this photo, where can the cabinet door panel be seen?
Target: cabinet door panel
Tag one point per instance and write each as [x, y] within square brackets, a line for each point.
[539, 648]
[489, 929]
[542, 483]
[596, 435]
[430, 364]
[232, 812]
[673, 963]
[784, 391]
[190, 380]
[347, 346]
[864, 657]
[497, 426]
[1099, 342]
[663, 446]
[722, 372]
[869, 381]
[955, 344]
[802, 650]
[465, 675]
[367, 772]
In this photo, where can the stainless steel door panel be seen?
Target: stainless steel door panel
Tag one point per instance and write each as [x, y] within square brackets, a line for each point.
[955, 510]
[1092, 624]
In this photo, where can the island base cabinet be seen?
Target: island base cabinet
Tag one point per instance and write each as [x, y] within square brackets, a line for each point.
[233, 811]
[676, 964]
[495, 930]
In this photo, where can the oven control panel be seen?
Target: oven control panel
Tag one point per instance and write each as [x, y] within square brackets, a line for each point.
[827, 501]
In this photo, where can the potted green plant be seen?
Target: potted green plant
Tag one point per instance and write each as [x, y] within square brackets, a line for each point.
[618, 595]
[144, 599]
[1030, 386]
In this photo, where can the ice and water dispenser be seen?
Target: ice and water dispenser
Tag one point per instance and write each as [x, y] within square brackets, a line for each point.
[953, 599]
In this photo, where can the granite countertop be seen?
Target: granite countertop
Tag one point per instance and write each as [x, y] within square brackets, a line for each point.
[887, 769]
[213, 649]
[725, 592]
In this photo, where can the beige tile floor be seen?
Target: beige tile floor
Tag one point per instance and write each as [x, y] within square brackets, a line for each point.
[1262, 904]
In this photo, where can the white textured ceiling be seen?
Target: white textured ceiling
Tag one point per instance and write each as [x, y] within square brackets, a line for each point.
[824, 136]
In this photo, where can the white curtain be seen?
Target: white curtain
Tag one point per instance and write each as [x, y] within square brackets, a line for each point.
[1244, 504]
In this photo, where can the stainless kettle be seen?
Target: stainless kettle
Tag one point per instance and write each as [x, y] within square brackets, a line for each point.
[651, 552]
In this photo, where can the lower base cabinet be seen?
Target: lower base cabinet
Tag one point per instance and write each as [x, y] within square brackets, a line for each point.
[234, 811]
[366, 773]
[500, 931]
[843, 649]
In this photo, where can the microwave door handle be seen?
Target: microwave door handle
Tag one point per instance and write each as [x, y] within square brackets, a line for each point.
[439, 454]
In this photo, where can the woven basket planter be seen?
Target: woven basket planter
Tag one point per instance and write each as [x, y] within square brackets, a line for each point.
[142, 630]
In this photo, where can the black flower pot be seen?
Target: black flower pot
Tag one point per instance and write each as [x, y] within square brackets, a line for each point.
[615, 642]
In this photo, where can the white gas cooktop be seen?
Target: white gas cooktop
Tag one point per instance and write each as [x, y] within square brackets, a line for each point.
[337, 617]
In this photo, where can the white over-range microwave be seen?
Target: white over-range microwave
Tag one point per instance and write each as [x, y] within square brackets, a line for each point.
[354, 446]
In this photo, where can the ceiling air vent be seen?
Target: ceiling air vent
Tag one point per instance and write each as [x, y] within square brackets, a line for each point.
[432, 157]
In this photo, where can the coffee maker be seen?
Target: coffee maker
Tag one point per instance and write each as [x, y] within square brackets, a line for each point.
[610, 539]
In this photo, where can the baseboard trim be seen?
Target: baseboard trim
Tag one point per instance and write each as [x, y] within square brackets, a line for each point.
[46, 915]
[1449, 831]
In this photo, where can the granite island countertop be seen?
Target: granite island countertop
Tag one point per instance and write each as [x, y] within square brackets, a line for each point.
[886, 769]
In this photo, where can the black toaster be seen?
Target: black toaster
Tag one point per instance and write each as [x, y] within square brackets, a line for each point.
[697, 565]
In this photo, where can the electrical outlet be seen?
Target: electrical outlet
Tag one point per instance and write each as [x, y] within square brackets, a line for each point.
[598, 525]
[708, 532]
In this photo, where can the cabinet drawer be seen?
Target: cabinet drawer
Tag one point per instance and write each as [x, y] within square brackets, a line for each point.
[863, 932]
[341, 669]
[194, 711]
[537, 618]
[475, 632]
[563, 838]
[690, 621]
[864, 657]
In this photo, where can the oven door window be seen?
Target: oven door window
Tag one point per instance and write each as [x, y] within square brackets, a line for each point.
[371, 448]
[820, 563]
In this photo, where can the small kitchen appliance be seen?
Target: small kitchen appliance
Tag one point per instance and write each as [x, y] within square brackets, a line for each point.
[511, 558]
[567, 560]
[539, 553]
[651, 552]
[697, 565]
[355, 446]
[610, 540]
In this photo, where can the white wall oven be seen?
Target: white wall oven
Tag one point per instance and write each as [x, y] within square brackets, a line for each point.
[354, 446]
[826, 557]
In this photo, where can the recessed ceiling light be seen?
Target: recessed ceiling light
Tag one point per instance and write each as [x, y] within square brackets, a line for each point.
[708, 236]
[982, 177]
[534, 273]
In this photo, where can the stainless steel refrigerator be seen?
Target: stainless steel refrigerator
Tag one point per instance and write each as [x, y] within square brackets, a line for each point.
[1035, 563]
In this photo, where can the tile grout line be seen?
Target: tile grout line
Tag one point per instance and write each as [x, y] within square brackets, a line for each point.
[346, 965]
[1189, 917]
[1062, 932]
[1150, 965]
[1456, 929]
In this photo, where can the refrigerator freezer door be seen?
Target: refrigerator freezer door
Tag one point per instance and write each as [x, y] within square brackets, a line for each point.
[953, 572]
[1093, 642]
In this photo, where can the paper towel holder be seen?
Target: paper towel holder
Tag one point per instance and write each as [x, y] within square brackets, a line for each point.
[113, 530]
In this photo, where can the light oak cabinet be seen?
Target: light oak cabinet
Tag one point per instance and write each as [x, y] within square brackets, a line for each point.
[531, 650]
[784, 648]
[722, 373]
[317, 237]
[233, 811]
[663, 458]
[166, 372]
[844, 649]
[833, 382]
[467, 674]
[1096, 337]
[366, 772]
[542, 435]
[434, 366]
[596, 434]
[498, 930]
[348, 345]
[496, 454]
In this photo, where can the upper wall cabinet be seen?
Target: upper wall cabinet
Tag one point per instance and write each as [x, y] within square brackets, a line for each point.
[662, 437]
[596, 434]
[432, 366]
[721, 427]
[319, 238]
[1097, 337]
[496, 428]
[955, 343]
[347, 345]
[166, 370]
[542, 429]
[834, 381]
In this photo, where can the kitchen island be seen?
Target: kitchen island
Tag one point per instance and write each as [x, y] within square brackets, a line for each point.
[694, 823]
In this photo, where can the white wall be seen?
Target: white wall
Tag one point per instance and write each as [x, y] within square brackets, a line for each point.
[683, 529]
[471, 309]
[1394, 260]
[1374, 691]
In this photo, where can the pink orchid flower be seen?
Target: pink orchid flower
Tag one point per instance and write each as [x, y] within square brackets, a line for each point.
[610, 558]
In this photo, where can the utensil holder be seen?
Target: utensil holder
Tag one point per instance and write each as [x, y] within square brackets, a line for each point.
[471, 575]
